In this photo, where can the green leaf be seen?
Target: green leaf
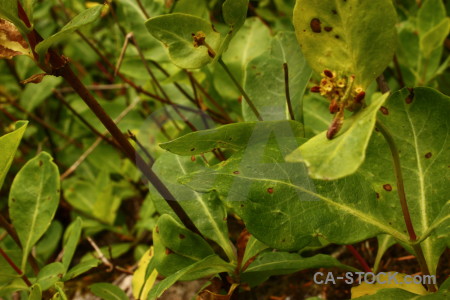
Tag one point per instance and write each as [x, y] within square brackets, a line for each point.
[208, 213]
[35, 292]
[81, 268]
[280, 263]
[86, 17]
[175, 32]
[32, 209]
[233, 136]
[234, 13]
[384, 243]
[253, 248]
[344, 154]
[349, 37]
[50, 274]
[258, 185]
[72, 234]
[8, 145]
[34, 94]
[212, 265]
[28, 6]
[420, 126]
[430, 14]
[434, 38]
[265, 80]
[8, 11]
[108, 291]
[49, 243]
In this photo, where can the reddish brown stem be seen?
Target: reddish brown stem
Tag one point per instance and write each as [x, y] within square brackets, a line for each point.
[15, 267]
[360, 259]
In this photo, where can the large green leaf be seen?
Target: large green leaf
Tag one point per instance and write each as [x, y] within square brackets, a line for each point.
[279, 263]
[259, 185]
[176, 32]
[86, 17]
[420, 126]
[33, 208]
[8, 145]
[351, 37]
[344, 154]
[208, 213]
[265, 80]
[212, 265]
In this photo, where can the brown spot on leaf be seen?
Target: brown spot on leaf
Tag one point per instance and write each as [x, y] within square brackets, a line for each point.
[387, 187]
[236, 172]
[270, 190]
[316, 25]
[334, 11]
[168, 251]
[40, 163]
[157, 229]
[181, 236]
[337, 36]
[378, 195]
[384, 110]
[328, 28]
[410, 97]
[328, 73]
[12, 42]
[192, 149]
[428, 155]
[193, 158]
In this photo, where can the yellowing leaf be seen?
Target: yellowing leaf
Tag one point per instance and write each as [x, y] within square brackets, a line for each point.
[140, 283]
[389, 281]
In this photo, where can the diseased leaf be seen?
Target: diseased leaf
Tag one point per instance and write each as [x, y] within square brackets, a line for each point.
[418, 121]
[12, 42]
[265, 80]
[8, 145]
[86, 17]
[8, 11]
[344, 154]
[35, 292]
[32, 208]
[176, 31]
[258, 185]
[145, 276]
[350, 37]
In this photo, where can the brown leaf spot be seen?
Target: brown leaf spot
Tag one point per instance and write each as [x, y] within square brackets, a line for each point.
[337, 36]
[193, 149]
[168, 251]
[410, 97]
[384, 110]
[157, 229]
[378, 195]
[181, 236]
[315, 25]
[236, 172]
[328, 28]
[387, 187]
[328, 73]
[270, 190]
[193, 158]
[40, 163]
[428, 155]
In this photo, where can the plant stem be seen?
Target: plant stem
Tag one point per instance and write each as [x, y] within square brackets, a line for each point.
[15, 267]
[404, 204]
[241, 90]
[360, 259]
[287, 92]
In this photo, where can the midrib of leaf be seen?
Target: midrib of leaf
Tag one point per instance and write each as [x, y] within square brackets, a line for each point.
[348, 48]
[225, 242]
[112, 294]
[349, 210]
[26, 247]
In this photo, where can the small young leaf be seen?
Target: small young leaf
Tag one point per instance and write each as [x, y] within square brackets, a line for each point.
[32, 209]
[253, 248]
[86, 17]
[234, 13]
[50, 274]
[341, 156]
[9, 143]
[349, 37]
[72, 235]
[35, 292]
[108, 291]
[176, 31]
[81, 268]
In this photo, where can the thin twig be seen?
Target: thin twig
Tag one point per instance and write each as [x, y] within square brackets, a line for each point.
[15, 267]
[401, 82]
[241, 90]
[101, 256]
[135, 139]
